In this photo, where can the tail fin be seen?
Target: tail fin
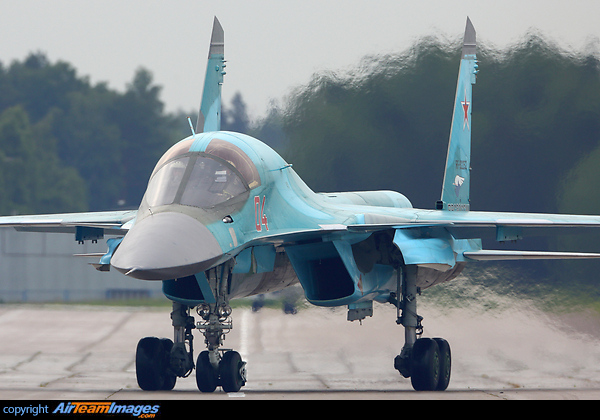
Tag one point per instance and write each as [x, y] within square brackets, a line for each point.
[209, 117]
[456, 186]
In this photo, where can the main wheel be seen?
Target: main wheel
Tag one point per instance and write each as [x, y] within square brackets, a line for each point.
[152, 364]
[445, 364]
[232, 371]
[425, 362]
[206, 376]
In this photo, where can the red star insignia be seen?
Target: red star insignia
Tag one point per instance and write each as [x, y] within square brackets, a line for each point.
[465, 106]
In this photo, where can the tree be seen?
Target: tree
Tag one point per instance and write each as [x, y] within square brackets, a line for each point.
[32, 178]
[38, 85]
[235, 118]
[145, 133]
[91, 142]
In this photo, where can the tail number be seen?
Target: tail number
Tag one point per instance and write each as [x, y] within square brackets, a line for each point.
[260, 216]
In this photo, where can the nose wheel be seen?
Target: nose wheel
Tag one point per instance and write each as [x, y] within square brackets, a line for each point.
[207, 378]
[230, 374]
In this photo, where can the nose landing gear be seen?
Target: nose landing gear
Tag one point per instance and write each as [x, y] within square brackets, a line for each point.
[216, 366]
[159, 362]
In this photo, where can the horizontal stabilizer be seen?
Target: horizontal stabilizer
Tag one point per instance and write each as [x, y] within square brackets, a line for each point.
[485, 255]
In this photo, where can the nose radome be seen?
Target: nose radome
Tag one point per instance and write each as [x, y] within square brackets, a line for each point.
[166, 246]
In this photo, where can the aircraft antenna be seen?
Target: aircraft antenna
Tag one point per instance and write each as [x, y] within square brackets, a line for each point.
[192, 128]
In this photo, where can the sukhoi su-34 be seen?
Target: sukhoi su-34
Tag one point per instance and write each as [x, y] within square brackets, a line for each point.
[225, 217]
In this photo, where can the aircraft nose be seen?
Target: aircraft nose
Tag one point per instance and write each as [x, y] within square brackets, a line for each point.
[166, 246]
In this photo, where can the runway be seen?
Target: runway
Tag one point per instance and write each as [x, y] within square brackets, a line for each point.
[53, 352]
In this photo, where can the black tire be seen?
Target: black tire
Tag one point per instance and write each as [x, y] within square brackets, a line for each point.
[152, 364]
[206, 376]
[425, 362]
[231, 372]
[445, 364]
[170, 379]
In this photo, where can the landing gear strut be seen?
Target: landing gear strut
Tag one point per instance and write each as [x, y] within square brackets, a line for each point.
[159, 362]
[426, 361]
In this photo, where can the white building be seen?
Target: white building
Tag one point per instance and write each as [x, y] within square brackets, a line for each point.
[40, 267]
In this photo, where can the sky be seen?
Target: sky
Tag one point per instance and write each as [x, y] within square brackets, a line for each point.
[271, 46]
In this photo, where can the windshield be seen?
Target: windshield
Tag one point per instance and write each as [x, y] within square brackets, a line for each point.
[165, 183]
[211, 183]
[195, 180]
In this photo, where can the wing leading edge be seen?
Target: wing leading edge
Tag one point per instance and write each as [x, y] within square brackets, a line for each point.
[81, 224]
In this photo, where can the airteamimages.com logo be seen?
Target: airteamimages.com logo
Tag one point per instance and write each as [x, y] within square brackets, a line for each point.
[78, 408]
[142, 411]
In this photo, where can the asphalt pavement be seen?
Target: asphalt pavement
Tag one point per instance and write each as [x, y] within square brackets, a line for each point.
[58, 352]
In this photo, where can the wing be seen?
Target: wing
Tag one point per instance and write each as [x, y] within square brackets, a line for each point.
[438, 232]
[85, 226]
[457, 221]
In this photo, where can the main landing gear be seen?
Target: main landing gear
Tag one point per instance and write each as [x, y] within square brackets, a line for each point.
[426, 361]
[159, 362]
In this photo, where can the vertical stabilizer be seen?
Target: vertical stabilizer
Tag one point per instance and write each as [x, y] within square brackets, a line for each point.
[457, 182]
[209, 117]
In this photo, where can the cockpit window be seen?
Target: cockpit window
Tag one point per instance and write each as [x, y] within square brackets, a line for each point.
[195, 180]
[211, 183]
[201, 179]
[177, 149]
[237, 158]
[164, 185]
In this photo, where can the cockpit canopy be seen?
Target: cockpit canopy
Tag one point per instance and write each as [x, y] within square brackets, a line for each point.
[201, 179]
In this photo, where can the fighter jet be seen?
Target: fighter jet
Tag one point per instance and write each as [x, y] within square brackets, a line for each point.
[225, 217]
